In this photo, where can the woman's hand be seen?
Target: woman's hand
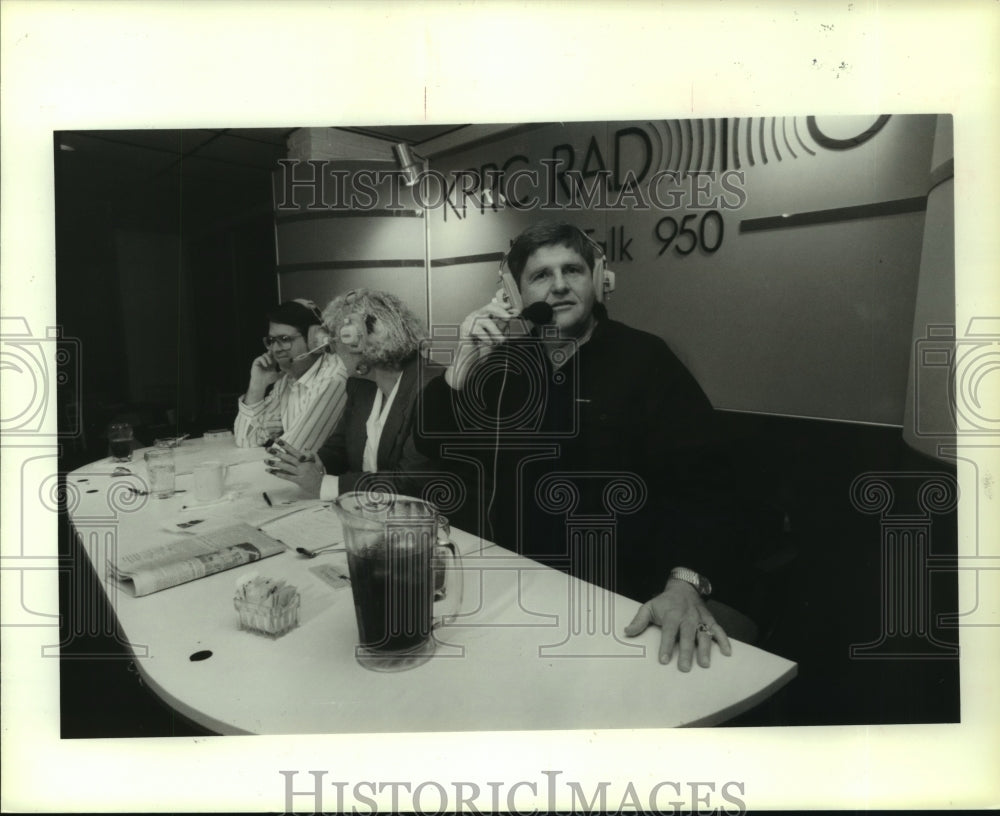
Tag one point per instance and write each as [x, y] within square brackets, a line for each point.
[293, 465]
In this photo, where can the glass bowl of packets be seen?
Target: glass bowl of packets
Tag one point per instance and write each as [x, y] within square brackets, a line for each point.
[266, 606]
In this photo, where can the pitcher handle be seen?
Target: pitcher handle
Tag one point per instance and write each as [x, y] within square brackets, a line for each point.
[443, 539]
[448, 582]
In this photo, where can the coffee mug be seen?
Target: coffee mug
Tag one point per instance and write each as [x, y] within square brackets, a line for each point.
[209, 481]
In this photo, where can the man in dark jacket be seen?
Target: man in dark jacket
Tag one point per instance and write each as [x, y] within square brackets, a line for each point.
[587, 424]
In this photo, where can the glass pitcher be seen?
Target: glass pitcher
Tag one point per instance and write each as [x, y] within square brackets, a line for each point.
[401, 562]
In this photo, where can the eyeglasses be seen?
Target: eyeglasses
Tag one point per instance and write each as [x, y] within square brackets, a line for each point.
[282, 340]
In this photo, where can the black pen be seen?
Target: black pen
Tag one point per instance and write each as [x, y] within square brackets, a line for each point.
[267, 499]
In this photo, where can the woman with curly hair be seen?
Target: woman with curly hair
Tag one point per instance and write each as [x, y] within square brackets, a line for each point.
[378, 338]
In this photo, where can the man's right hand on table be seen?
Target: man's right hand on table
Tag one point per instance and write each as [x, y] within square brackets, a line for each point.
[686, 625]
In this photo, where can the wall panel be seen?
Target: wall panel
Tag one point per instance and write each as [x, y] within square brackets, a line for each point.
[806, 319]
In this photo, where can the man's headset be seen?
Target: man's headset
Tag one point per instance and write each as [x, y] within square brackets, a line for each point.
[311, 306]
[604, 279]
[318, 338]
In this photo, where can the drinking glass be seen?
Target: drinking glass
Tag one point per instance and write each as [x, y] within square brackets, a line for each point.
[120, 437]
[161, 469]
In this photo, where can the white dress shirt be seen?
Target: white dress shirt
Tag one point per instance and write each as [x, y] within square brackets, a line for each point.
[374, 425]
[302, 411]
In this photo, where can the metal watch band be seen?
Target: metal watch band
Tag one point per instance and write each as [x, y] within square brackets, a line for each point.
[699, 582]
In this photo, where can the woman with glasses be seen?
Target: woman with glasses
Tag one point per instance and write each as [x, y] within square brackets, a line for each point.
[309, 383]
[378, 338]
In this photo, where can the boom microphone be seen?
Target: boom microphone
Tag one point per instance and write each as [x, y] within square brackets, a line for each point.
[539, 313]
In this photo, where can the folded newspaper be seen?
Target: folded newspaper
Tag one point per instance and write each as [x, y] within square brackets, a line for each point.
[190, 558]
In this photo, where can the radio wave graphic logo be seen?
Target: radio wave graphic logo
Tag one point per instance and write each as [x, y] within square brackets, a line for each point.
[698, 145]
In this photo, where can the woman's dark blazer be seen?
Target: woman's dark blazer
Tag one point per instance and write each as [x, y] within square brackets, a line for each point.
[400, 465]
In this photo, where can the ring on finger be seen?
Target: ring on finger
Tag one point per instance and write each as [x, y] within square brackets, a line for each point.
[705, 628]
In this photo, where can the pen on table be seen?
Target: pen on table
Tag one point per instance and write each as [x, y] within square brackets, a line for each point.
[267, 499]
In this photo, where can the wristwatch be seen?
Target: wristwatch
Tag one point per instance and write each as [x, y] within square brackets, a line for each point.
[699, 582]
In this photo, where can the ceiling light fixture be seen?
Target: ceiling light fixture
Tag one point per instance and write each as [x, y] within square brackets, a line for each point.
[409, 162]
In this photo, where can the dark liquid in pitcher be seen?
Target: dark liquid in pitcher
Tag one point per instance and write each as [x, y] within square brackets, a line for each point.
[121, 448]
[392, 597]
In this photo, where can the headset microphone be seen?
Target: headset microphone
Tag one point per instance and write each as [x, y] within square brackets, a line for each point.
[540, 313]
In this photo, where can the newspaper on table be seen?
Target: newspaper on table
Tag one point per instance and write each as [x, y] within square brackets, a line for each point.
[188, 559]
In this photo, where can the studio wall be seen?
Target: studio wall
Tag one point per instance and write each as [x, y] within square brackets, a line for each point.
[323, 251]
[929, 424]
[778, 256]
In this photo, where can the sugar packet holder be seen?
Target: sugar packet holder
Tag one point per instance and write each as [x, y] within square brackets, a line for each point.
[266, 606]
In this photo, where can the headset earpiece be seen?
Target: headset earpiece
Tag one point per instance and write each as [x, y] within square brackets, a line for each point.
[599, 277]
[609, 283]
[509, 292]
[604, 278]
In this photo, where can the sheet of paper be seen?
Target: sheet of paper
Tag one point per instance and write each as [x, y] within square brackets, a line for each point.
[250, 508]
[313, 527]
[317, 598]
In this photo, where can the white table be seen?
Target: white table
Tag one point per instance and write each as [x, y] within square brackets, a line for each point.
[532, 649]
